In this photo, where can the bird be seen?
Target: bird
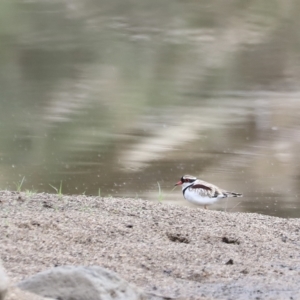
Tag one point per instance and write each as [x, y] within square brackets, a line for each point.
[201, 192]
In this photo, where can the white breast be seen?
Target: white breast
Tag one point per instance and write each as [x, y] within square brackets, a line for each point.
[195, 197]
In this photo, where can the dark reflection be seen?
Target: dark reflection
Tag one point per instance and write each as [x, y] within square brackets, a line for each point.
[113, 97]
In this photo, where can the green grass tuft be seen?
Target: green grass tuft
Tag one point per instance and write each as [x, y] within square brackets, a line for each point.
[58, 191]
[30, 193]
[160, 194]
[19, 184]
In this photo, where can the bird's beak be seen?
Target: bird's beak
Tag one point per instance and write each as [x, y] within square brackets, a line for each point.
[178, 183]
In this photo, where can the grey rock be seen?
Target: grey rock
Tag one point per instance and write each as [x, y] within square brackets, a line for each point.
[3, 282]
[81, 283]
[15, 293]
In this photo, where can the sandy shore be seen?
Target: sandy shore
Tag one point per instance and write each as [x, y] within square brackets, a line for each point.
[183, 252]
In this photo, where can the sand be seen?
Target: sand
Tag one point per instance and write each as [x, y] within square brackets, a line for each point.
[180, 252]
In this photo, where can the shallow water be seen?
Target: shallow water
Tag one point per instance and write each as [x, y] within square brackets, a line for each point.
[114, 98]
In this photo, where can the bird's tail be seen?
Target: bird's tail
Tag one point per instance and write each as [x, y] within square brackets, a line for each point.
[231, 194]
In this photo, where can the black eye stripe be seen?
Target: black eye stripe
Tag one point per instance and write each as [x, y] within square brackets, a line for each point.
[187, 179]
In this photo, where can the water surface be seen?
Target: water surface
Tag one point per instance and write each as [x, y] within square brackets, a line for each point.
[114, 98]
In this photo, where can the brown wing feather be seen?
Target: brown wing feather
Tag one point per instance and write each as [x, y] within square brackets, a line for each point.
[209, 189]
[201, 186]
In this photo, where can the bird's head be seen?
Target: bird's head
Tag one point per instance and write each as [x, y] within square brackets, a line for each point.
[186, 179]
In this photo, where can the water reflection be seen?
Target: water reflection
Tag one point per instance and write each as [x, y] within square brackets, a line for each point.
[118, 97]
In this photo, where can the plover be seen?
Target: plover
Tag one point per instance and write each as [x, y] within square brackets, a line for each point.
[201, 192]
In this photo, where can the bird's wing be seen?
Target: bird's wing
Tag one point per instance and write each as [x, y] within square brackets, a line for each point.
[206, 189]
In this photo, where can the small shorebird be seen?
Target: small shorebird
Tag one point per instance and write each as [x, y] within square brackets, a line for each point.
[201, 192]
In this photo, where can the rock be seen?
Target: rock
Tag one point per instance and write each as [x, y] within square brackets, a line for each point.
[81, 283]
[15, 293]
[3, 282]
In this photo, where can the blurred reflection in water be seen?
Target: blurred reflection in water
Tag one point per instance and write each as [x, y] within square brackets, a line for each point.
[115, 97]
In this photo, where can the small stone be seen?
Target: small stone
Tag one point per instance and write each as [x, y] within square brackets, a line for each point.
[230, 262]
